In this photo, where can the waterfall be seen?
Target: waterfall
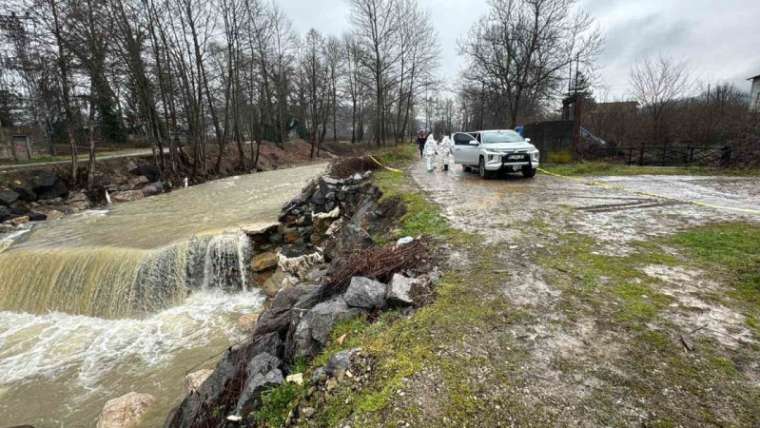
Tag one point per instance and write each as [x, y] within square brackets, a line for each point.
[120, 282]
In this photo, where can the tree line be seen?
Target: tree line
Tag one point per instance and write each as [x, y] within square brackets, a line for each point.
[199, 79]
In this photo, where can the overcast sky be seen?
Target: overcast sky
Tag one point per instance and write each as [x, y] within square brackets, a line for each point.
[719, 39]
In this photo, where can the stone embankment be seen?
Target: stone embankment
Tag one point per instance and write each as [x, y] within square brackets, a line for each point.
[298, 263]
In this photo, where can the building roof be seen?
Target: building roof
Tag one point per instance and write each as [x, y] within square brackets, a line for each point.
[753, 78]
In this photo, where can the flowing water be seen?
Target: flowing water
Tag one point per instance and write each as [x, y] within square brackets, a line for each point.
[131, 299]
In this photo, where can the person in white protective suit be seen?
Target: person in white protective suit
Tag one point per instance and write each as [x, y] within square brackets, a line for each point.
[429, 152]
[444, 152]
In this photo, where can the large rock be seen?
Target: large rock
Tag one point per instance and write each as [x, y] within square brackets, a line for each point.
[41, 180]
[127, 196]
[149, 171]
[153, 189]
[25, 190]
[7, 197]
[5, 213]
[247, 322]
[194, 380]
[337, 365]
[314, 329]
[263, 373]
[400, 290]
[278, 281]
[287, 304]
[365, 293]
[78, 201]
[349, 239]
[264, 261]
[194, 407]
[125, 411]
[57, 190]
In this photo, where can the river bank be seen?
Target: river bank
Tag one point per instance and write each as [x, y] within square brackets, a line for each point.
[61, 357]
[47, 192]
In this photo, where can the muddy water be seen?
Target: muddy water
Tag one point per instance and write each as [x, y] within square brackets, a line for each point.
[58, 368]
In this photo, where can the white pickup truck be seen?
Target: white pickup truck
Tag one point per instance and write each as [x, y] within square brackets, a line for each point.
[493, 151]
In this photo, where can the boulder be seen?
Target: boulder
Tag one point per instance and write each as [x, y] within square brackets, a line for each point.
[5, 213]
[18, 221]
[54, 215]
[194, 380]
[78, 201]
[125, 411]
[228, 369]
[247, 322]
[340, 363]
[127, 196]
[153, 189]
[57, 190]
[37, 216]
[365, 293]
[314, 329]
[41, 180]
[137, 182]
[25, 190]
[7, 197]
[263, 373]
[285, 305]
[152, 173]
[278, 281]
[350, 238]
[264, 261]
[400, 290]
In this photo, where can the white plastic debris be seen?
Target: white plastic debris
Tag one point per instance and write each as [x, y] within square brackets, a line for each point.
[404, 241]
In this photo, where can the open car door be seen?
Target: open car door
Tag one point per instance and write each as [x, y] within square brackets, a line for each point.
[465, 148]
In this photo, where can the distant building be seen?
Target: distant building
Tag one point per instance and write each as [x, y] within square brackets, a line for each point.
[754, 103]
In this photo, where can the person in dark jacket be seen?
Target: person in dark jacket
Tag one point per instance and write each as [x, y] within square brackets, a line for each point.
[421, 139]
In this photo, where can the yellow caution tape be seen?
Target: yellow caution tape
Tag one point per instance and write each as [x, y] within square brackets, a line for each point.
[383, 166]
[598, 183]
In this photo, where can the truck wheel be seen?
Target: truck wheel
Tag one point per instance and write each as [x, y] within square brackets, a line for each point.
[528, 171]
[466, 168]
[484, 173]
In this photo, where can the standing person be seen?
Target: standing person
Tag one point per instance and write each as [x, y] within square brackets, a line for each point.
[429, 152]
[444, 151]
[421, 138]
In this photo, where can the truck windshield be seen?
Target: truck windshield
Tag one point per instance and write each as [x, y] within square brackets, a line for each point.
[501, 137]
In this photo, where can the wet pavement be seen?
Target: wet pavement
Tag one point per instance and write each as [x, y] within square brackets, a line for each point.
[612, 210]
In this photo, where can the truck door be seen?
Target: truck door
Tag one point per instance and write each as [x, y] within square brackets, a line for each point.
[465, 152]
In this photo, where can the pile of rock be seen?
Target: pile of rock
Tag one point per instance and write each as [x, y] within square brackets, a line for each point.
[297, 325]
[302, 313]
[306, 219]
[34, 197]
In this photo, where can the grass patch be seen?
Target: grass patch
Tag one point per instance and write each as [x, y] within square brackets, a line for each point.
[276, 404]
[614, 169]
[610, 283]
[732, 251]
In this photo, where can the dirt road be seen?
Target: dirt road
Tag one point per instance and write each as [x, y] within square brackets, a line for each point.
[609, 319]
[135, 153]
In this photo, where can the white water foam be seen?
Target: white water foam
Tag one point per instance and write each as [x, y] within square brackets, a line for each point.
[33, 346]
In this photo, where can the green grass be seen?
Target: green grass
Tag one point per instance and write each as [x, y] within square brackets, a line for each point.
[731, 251]
[422, 217]
[614, 169]
[277, 403]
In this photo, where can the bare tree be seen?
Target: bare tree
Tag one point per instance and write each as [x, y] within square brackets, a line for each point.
[657, 84]
[521, 47]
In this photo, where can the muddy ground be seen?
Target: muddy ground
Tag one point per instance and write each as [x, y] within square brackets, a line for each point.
[605, 323]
